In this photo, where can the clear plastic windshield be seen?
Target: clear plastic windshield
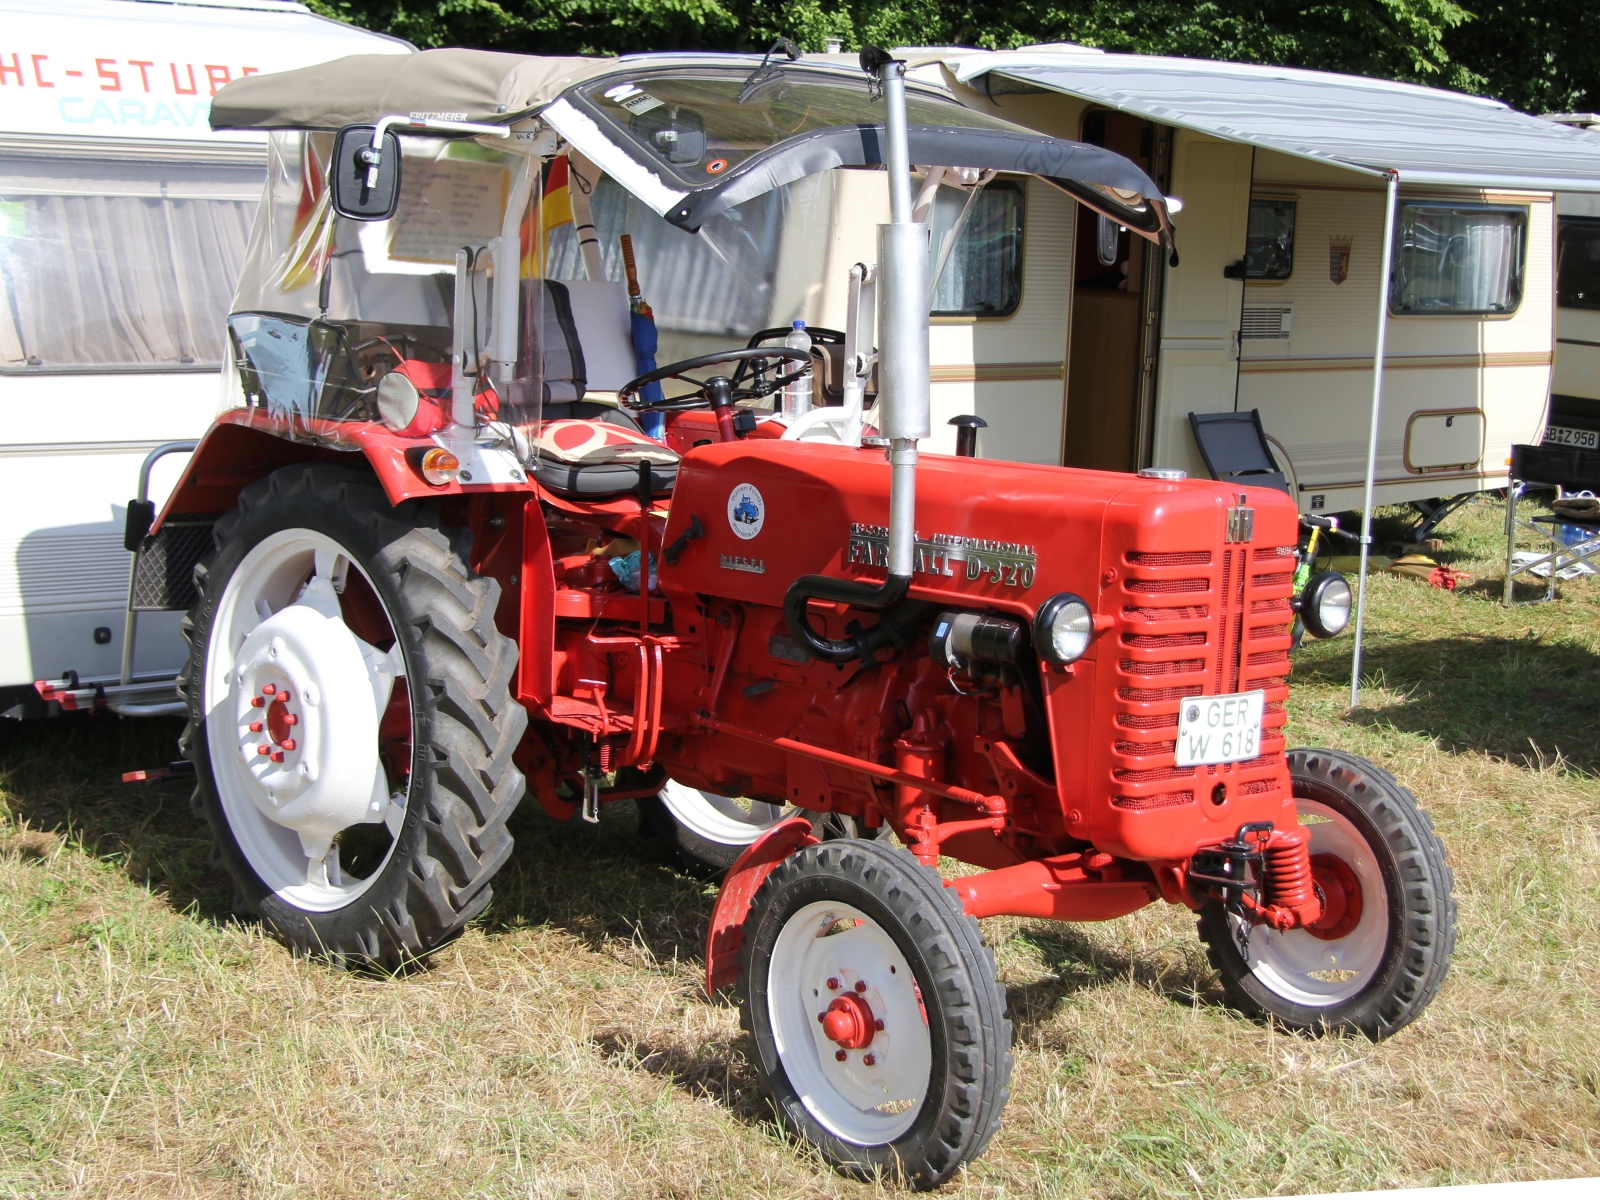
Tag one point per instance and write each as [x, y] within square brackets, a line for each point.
[338, 321]
[695, 123]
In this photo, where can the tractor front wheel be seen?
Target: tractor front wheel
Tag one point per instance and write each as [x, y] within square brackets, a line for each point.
[1379, 953]
[880, 1032]
[350, 721]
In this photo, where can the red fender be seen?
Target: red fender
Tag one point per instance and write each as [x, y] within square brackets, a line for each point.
[739, 888]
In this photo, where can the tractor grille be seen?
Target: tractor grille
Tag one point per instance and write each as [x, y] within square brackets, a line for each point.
[1197, 622]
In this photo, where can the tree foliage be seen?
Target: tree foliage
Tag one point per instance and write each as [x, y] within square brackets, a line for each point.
[1539, 55]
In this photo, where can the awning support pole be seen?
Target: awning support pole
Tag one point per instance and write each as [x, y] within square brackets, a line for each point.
[1387, 259]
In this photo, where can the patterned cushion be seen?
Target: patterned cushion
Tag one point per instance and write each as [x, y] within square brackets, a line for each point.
[593, 443]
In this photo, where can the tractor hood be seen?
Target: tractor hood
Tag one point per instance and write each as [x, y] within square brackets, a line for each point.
[689, 135]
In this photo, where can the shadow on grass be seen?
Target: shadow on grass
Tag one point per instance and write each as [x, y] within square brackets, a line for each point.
[719, 1071]
[1524, 700]
[63, 776]
[1079, 963]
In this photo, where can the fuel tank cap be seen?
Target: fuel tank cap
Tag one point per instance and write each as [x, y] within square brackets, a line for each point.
[1170, 474]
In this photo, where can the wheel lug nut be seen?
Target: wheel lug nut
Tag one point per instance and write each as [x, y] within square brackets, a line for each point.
[822, 1016]
[284, 696]
[861, 985]
[833, 985]
[878, 1024]
[257, 702]
[869, 1059]
[268, 689]
[263, 749]
[255, 726]
[840, 1055]
[277, 756]
[291, 719]
[287, 743]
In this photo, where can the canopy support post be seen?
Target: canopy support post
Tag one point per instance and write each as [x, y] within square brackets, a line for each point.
[1387, 259]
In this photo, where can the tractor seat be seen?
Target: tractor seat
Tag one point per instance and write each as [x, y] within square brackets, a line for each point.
[595, 450]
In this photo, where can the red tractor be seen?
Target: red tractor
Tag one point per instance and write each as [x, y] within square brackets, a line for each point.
[439, 577]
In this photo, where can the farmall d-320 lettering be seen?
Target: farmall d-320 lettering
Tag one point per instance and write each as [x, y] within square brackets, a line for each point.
[1073, 680]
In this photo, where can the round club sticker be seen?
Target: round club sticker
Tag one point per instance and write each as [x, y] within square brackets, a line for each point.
[747, 512]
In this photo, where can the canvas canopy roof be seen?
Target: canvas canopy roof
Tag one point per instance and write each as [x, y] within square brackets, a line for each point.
[1429, 135]
[461, 85]
[767, 127]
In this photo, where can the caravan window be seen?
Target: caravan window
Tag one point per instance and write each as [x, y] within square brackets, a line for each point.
[1269, 240]
[119, 265]
[982, 275]
[1458, 259]
[1578, 263]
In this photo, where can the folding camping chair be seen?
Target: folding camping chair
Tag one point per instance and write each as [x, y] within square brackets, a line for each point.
[1566, 469]
[1235, 450]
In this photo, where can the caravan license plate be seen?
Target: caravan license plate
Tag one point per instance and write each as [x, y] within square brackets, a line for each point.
[1561, 435]
[1220, 729]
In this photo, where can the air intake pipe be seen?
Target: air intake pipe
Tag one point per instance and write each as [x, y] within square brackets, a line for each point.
[903, 365]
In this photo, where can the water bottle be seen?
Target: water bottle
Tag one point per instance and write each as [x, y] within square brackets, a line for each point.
[797, 393]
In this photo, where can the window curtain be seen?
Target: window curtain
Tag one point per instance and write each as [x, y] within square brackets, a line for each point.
[118, 281]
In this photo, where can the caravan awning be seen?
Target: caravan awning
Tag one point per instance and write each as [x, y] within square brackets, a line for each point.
[1429, 135]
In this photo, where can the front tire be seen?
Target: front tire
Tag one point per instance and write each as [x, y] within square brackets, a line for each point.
[880, 1032]
[366, 824]
[1384, 945]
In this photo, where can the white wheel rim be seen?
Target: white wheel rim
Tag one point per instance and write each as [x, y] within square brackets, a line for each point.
[867, 1103]
[278, 629]
[1294, 965]
[717, 818]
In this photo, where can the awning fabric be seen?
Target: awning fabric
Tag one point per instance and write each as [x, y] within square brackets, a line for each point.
[461, 85]
[1431, 136]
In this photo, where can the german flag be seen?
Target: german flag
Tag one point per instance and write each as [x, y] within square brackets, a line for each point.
[555, 210]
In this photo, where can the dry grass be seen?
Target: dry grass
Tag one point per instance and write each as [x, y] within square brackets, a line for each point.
[151, 1046]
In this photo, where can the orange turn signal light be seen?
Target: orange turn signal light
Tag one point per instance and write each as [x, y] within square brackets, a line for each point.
[440, 467]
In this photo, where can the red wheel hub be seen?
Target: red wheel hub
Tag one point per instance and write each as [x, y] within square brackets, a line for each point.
[849, 1022]
[1341, 897]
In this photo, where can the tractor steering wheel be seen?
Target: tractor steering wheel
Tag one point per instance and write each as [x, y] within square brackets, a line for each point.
[719, 392]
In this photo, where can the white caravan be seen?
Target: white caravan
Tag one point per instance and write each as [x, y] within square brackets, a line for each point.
[123, 222]
[1274, 304]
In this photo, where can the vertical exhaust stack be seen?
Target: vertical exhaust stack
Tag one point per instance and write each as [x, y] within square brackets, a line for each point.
[903, 321]
[903, 401]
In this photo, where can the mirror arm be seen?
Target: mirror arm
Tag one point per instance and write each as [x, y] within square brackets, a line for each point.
[374, 153]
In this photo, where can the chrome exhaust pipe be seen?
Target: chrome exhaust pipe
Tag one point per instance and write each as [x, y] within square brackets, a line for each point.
[903, 324]
[903, 402]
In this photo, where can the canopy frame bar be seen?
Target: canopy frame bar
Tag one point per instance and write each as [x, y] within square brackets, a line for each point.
[1390, 200]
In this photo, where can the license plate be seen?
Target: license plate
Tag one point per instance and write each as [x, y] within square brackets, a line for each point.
[1562, 435]
[1219, 729]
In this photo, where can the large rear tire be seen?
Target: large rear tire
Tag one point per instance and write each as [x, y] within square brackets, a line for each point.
[1380, 953]
[879, 1028]
[350, 719]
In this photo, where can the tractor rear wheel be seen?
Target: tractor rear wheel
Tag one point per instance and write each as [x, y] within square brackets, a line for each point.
[1378, 955]
[880, 1032]
[708, 832]
[350, 721]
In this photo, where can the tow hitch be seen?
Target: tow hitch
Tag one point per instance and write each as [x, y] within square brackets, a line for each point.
[1264, 876]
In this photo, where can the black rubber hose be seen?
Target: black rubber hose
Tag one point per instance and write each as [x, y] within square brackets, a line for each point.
[839, 591]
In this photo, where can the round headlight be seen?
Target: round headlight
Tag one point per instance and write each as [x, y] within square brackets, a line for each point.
[1325, 605]
[1062, 628]
[398, 400]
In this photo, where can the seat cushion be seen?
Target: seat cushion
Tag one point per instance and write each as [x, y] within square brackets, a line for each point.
[599, 458]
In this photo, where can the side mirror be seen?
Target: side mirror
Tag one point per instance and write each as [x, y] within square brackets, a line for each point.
[364, 190]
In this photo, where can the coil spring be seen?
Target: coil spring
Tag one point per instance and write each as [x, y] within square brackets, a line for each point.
[1289, 871]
